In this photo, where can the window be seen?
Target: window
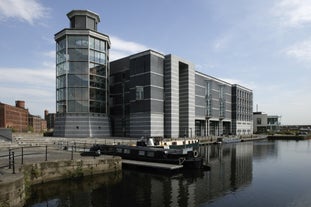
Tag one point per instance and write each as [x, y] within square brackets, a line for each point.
[139, 92]
[259, 121]
[150, 154]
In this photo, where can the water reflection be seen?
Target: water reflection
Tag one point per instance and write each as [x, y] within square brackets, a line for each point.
[265, 150]
[231, 169]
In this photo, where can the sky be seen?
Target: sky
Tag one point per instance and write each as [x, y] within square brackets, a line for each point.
[263, 45]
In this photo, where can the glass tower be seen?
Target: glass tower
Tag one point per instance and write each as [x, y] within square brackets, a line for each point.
[82, 70]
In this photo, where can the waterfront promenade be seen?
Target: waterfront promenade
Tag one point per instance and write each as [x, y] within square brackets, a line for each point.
[40, 159]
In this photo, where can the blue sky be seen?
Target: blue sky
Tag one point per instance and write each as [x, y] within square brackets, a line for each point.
[264, 45]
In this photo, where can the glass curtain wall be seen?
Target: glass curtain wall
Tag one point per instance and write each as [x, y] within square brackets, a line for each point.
[81, 74]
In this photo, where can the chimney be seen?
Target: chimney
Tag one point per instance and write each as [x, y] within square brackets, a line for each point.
[20, 104]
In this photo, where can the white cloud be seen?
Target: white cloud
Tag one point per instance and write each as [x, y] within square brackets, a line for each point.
[25, 10]
[35, 86]
[27, 76]
[222, 43]
[301, 51]
[293, 12]
[122, 48]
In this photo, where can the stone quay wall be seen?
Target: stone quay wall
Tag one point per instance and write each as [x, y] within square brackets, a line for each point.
[14, 189]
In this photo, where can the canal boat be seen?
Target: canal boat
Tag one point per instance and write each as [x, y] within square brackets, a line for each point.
[170, 143]
[185, 157]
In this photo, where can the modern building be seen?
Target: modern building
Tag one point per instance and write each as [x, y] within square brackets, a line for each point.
[82, 70]
[242, 110]
[145, 94]
[264, 123]
[158, 95]
[213, 109]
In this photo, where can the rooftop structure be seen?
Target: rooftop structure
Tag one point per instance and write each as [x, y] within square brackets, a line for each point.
[82, 69]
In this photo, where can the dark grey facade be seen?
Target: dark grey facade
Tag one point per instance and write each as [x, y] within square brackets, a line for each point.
[82, 70]
[145, 94]
[152, 95]
[162, 95]
[137, 93]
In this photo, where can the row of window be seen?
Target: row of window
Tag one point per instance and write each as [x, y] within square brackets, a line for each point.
[80, 68]
[78, 54]
[80, 94]
[79, 41]
[82, 106]
[81, 81]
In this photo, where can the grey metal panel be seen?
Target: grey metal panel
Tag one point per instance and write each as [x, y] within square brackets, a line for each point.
[199, 90]
[157, 106]
[200, 111]
[156, 80]
[200, 101]
[82, 125]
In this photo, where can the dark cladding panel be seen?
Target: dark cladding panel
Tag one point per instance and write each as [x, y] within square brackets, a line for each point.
[139, 65]
[157, 64]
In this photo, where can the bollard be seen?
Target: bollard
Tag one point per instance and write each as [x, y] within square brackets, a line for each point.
[13, 162]
[22, 155]
[72, 152]
[46, 153]
[9, 158]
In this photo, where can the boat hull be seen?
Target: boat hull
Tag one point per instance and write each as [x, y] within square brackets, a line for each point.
[149, 154]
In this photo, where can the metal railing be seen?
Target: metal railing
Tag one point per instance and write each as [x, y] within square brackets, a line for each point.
[16, 156]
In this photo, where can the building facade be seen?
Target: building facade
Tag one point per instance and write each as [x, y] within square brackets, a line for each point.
[264, 123]
[242, 110]
[14, 117]
[156, 95]
[145, 94]
[213, 106]
[36, 124]
[19, 119]
[82, 69]
[50, 120]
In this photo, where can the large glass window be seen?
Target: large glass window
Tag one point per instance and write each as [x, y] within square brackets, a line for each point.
[78, 80]
[78, 106]
[98, 106]
[78, 42]
[61, 81]
[78, 67]
[61, 44]
[60, 56]
[97, 94]
[97, 81]
[77, 94]
[139, 92]
[98, 69]
[208, 98]
[61, 106]
[61, 94]
[60, 69]
[78, 54]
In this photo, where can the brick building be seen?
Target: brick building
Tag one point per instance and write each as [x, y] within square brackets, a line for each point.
[14, 117]
[18, 118]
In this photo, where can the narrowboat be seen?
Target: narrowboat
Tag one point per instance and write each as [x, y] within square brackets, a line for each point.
[186, 156]
[170, 143]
